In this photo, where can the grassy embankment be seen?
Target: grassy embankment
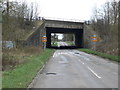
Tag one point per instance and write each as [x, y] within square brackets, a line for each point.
[104, 55]
[22, 75]
[70, 43]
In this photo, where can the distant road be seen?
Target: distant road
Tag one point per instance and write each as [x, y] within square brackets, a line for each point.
[76, 69]
[62, 44]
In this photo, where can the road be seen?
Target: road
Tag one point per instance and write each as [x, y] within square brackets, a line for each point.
[62, 44]
[76, 69]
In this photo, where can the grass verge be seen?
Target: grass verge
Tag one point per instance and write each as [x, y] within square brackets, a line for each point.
[22, 75]
[54, 44]
[70, 43]
[104, 55]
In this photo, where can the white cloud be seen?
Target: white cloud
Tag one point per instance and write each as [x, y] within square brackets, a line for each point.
[69, 9]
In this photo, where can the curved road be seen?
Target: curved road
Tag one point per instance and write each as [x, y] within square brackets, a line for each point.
[76, 69]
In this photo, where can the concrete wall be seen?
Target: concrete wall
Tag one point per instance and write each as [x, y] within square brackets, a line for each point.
[35, 39]
[63, 24]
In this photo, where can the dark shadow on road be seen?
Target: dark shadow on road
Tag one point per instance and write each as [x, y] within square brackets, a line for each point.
[64, 47]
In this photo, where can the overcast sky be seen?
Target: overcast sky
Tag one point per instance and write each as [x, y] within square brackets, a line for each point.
[67, 9]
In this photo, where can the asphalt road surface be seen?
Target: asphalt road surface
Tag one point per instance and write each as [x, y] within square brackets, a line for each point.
[62, 44]
[75, 69]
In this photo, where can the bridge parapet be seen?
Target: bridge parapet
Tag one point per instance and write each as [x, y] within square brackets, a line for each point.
[64, 24]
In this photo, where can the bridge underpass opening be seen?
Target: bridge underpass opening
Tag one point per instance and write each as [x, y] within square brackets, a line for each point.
[62, 39]
[77, 35]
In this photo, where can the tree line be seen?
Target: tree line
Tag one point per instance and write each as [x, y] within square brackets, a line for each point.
[105, 23]
[18, 19]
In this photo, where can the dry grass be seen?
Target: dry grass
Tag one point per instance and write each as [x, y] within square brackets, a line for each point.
[23, 74]
[108, 47]
[15, 56]
[104, 55]
[37, 25]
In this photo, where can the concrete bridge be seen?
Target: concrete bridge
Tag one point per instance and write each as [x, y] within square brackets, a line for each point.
[56, 26]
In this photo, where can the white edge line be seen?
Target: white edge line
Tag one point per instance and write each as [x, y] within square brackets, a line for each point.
[94, 72]
[55, 54]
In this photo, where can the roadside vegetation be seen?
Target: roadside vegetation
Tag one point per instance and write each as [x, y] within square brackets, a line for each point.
[70, 43]
[19, 19]
[105, 24]
[15, 56]
[20, 63]
[104, 55]
[22, 75]
[54, 43]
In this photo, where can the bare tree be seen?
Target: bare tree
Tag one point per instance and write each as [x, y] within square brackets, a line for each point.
[36, 11]
[105, 24]
[114, 12]
[17, 15]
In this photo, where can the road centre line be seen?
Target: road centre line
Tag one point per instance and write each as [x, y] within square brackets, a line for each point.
[89, 67]
[72, 55]
[84, 57]
[81, 61]
[94, 72]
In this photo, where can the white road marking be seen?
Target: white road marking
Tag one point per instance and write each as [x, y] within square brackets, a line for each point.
[81, 61]
[87, 59]
[54, 54]
[64, 58]
[84, 57]
[94, 72]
